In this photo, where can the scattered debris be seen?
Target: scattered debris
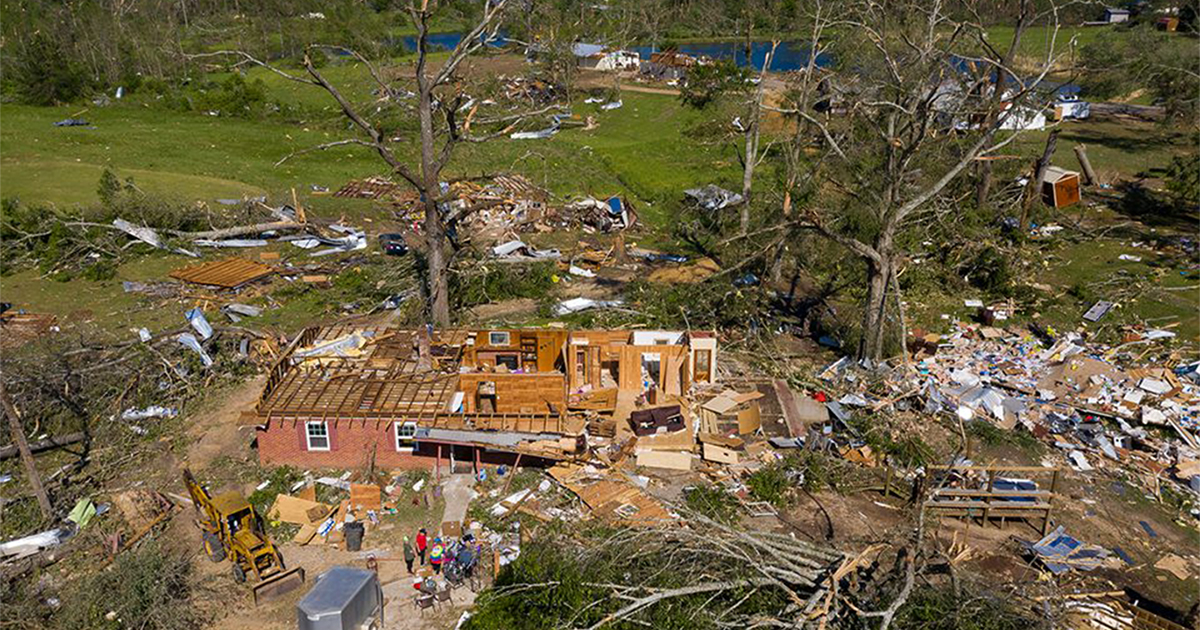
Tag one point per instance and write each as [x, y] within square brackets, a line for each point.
[575, 305]
[230, 273]
[1060, 553]
[518, 250]
[713, 197]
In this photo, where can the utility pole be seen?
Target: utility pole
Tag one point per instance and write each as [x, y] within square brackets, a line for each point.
[18, 436]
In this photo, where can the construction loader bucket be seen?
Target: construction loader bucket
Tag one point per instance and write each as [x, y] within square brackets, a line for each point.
[272, 587]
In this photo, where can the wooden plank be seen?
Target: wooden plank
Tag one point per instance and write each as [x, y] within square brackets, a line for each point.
[723, 441]
[665, 459]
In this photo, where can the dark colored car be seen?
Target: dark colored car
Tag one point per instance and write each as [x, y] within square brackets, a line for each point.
[393, 244]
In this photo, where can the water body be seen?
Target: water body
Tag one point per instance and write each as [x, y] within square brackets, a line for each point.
[792, 55]
[447, 41]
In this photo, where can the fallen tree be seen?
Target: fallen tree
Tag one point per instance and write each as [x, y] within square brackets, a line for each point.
[57, 441]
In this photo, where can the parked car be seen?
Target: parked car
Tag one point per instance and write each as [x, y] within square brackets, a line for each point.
[393, 244]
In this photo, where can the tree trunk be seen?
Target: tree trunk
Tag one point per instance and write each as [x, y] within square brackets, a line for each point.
[1089, 174]
[752, 134]
[870, 346]
[1034, 192]
[748, 171]
[435, 231]
[984, 187]
[18, 436]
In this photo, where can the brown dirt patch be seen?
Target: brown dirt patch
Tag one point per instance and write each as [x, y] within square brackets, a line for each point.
[216, 429]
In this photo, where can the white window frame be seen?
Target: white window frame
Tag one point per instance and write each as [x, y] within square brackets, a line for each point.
[504, 334]
[408, 443]
[308, 435]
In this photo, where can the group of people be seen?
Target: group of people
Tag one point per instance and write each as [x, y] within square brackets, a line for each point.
[440, 552]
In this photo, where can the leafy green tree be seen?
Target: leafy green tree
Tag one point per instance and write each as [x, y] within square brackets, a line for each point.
[109, 187]
[1165, 64]
[1183, 180]
[45, 73]
[709, 82]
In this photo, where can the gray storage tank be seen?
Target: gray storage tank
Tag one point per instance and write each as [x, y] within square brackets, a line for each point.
[344, 598]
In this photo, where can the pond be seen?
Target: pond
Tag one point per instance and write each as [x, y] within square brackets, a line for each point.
[792, 55]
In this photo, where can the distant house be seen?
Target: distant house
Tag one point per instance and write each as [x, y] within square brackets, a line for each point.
[1025, 118]
[1071, 107]
[669, 65]
[598, 57]
[1115, 16]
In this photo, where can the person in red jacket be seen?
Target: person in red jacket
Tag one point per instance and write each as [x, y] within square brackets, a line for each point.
[422, 544]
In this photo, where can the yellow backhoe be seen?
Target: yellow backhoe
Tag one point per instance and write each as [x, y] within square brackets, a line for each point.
[230, 529]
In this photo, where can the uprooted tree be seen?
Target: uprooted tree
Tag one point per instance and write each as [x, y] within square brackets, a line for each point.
[445, 115]
[886, 130]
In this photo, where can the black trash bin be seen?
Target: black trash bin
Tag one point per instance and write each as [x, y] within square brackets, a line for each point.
[354, 536]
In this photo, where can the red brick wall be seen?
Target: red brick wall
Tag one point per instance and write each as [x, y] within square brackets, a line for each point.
[351, 445]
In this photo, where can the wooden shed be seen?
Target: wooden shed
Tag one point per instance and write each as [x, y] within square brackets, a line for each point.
[1060, 188]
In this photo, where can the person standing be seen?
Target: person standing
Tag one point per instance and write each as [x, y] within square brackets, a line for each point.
[422, 543]
[437, 555]
[409, 556]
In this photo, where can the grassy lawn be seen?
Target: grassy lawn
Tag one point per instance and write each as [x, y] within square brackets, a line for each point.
[1036, 40]
[643, 150]
[639, 150]
[1117, 149]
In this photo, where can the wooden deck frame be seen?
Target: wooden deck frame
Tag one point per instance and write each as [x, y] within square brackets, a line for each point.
[989, 503]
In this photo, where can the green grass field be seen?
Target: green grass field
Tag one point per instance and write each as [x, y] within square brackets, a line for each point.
[643, 150]
[1035, 42]
[638, 150]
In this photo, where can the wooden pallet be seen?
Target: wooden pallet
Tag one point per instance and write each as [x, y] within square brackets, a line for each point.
[230, 273]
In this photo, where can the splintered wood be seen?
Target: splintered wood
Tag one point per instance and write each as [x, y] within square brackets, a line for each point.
[230, 273]
[617, 502]
[369, 188]
[19, 328]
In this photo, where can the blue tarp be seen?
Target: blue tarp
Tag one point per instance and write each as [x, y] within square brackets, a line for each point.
[1022, 485]
[1061, 552]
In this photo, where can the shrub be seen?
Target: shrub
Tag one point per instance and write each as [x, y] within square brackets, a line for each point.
[494, 283]
[770, 484]
[989, 271]
[279, 480]
[713, 502]
[233, 97]
[146, 588]
[931, 608]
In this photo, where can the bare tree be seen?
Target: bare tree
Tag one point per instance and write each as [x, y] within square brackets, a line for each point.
[914, 107]
[438, 103]
[752, 130]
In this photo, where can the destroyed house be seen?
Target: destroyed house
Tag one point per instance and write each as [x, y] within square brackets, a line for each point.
[348, 396]
[668, 65]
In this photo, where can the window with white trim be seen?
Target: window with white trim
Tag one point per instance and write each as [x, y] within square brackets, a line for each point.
[496, 338]
[405, 434]
[318, 436]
